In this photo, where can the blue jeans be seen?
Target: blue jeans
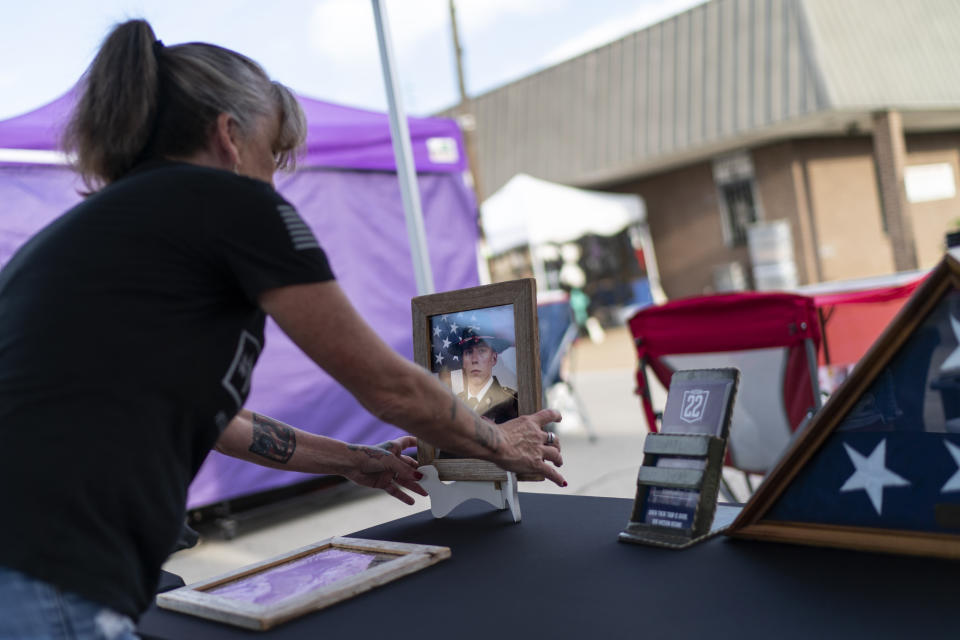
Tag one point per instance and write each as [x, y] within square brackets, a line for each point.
[34, 610]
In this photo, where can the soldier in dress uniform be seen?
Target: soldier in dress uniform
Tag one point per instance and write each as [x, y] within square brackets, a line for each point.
[482, 391]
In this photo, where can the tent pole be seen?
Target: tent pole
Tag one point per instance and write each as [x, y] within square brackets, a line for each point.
[538, 268]
[406, 171]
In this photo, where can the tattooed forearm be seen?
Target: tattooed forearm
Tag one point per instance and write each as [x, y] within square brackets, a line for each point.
[273, 440]
[486, 434]
[370, 452]
[389, 445]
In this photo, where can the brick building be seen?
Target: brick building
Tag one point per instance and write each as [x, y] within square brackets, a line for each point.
[840, 117]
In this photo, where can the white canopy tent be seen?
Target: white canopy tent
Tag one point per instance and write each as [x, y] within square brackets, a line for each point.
[535, 212]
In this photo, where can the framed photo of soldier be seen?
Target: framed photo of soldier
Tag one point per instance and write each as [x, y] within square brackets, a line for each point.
[482, 343]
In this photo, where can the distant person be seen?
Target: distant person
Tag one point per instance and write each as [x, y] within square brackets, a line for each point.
[573, 279]
[580, 303]
[130, 327]
[482, 391]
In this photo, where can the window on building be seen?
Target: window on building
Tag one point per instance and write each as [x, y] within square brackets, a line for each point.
[740, 209]
[733, 175]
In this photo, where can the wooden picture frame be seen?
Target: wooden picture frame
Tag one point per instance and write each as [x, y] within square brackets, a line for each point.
[441, 311]
[776, 512]
[238, 598]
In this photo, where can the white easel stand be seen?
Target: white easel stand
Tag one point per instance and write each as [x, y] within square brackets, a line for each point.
[445, 496]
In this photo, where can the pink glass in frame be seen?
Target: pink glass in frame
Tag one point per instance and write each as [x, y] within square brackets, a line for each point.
[300, 576]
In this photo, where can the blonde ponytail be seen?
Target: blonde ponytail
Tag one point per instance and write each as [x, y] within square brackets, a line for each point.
[142, 100]
[115, 115]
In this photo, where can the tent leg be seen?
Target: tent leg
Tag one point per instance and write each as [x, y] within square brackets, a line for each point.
[578, 401]
[727, 491]
[814, 377]
[582, 412]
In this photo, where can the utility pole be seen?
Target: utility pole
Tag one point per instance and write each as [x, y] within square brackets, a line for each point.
[465, 117]
[458, 53]
[468, 126]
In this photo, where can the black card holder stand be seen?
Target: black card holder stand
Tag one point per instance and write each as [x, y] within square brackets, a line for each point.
[709, 448]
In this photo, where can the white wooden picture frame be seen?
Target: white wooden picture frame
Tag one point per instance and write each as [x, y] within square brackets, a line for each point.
[265, 594]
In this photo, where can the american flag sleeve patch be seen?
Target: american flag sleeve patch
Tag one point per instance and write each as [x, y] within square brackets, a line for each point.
[300, 234]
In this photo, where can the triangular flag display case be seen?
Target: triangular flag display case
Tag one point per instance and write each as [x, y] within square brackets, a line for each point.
[878, 467]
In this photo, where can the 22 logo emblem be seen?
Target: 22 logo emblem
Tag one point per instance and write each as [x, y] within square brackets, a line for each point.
[693, 405]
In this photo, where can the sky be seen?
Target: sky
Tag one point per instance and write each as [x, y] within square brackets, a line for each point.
[324, 49]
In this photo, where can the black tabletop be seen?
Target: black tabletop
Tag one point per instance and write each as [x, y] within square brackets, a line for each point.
[561, 573]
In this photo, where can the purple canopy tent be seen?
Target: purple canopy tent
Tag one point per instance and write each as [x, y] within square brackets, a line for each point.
[346, 189]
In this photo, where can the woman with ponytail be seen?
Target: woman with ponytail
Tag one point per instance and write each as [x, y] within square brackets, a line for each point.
[130, 326]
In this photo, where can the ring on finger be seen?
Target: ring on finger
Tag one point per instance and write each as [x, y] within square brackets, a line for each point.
[550, 437]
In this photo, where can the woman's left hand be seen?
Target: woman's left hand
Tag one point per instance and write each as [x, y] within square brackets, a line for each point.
[385, 467]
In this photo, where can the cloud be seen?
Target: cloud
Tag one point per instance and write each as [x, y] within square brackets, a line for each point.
[479, 15]
[345, 57]
[343, 42]
[614, 29]
[345, 29]
[341, 28]
[344, 64]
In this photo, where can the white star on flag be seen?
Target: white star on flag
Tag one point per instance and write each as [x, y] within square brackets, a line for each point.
[454, 327]
[952, 362]
[446, 343]
[871, 475]
[436, 330]
[953, 484]
[439, 358]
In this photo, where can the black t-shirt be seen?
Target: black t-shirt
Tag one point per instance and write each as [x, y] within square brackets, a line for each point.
[129, 328]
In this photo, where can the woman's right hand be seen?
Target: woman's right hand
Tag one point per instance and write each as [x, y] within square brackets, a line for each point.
[526, 448]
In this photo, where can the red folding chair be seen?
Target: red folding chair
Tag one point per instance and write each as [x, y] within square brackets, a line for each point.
[772, 338]
[851, 320]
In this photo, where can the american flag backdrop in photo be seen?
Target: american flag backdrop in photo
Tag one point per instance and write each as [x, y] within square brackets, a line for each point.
[446, 330]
